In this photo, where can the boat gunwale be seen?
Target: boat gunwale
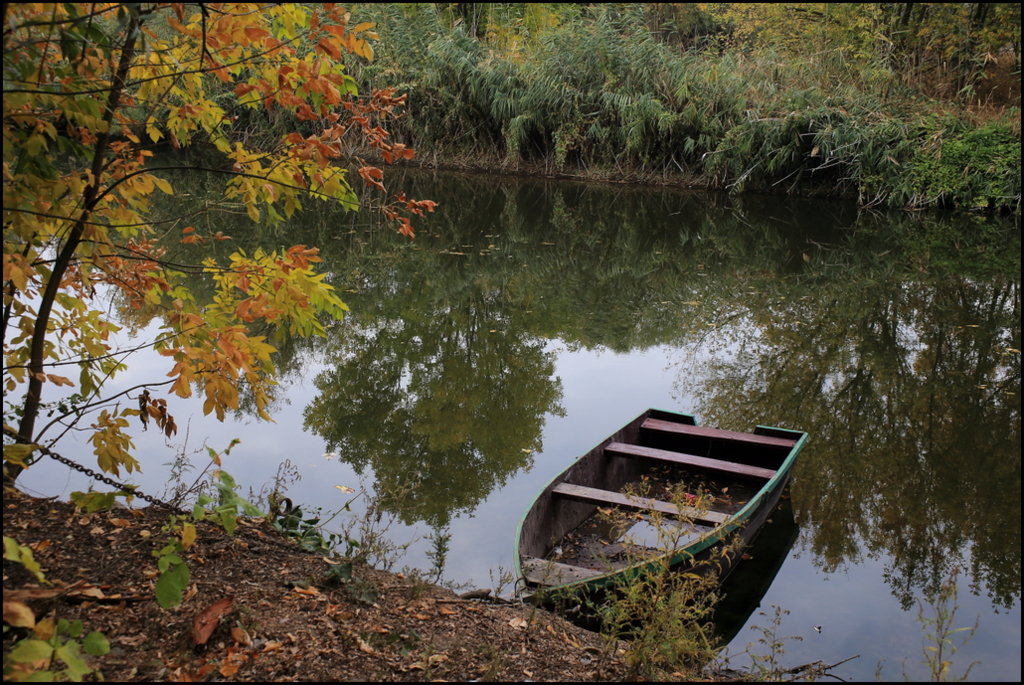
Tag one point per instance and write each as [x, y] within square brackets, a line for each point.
[712, 537]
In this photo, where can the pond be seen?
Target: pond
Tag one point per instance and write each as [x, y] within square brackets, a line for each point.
[531, 318]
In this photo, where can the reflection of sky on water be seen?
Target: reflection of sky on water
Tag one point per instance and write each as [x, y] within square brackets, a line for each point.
[602, 390]
[858, 617]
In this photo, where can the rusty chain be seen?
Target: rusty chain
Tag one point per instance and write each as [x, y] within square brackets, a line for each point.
[135, 492]
[156, 501]
[132, 489]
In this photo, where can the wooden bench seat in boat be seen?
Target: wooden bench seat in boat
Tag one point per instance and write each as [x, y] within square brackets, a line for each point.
[597, 496]
[688, 459]
[544, 572]
[715, 433]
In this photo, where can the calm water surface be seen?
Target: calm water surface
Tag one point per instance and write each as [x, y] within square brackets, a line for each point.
[528, 320]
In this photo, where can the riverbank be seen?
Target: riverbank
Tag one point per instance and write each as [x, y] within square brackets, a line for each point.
[272, 614]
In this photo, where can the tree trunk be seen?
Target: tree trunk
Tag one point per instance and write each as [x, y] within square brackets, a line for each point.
[34, 391]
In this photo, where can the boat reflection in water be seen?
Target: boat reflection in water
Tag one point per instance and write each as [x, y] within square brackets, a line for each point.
[750, 579]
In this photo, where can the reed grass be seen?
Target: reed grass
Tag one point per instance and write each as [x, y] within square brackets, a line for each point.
[597, 91]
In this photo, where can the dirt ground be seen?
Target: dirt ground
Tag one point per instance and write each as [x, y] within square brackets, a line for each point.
[274, 614]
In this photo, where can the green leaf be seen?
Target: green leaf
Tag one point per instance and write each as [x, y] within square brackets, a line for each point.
[18, 453]
[92, 502]
[340, 573]
[23, 555]
[70, 653]
[28, 651]
[171, 585]
[71, 628]
[96, 643]
[167, 561]
[228, 519]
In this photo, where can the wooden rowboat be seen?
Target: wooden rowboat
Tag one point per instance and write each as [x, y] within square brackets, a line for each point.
[565, 543]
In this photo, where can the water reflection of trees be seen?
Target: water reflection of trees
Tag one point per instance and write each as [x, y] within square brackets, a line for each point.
[433, 385]
[911, 393]
[439, 380]
[889, 338]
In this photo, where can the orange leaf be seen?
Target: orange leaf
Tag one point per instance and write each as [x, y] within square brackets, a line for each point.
[229, 668]
[372, 176]
[329, 48]
[206, 621]
[254, 34]
[241, 637]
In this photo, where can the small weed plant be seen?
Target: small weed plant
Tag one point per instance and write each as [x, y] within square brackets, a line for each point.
[54, 649]
[664, 614]
[48, 649]
[942, 638]
[224, 510]
[765, 664]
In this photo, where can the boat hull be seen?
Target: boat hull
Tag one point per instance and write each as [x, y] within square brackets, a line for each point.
[749, 471]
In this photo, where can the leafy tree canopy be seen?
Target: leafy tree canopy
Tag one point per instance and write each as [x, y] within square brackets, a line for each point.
[90, 90]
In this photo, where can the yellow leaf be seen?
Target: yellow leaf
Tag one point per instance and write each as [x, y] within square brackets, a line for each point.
[188, 535]
[18, 453]
[163, 185]
[46, 628]
[18, 615]
[59, 380]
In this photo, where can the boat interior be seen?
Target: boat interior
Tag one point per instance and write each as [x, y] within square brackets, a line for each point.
[657, 486]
